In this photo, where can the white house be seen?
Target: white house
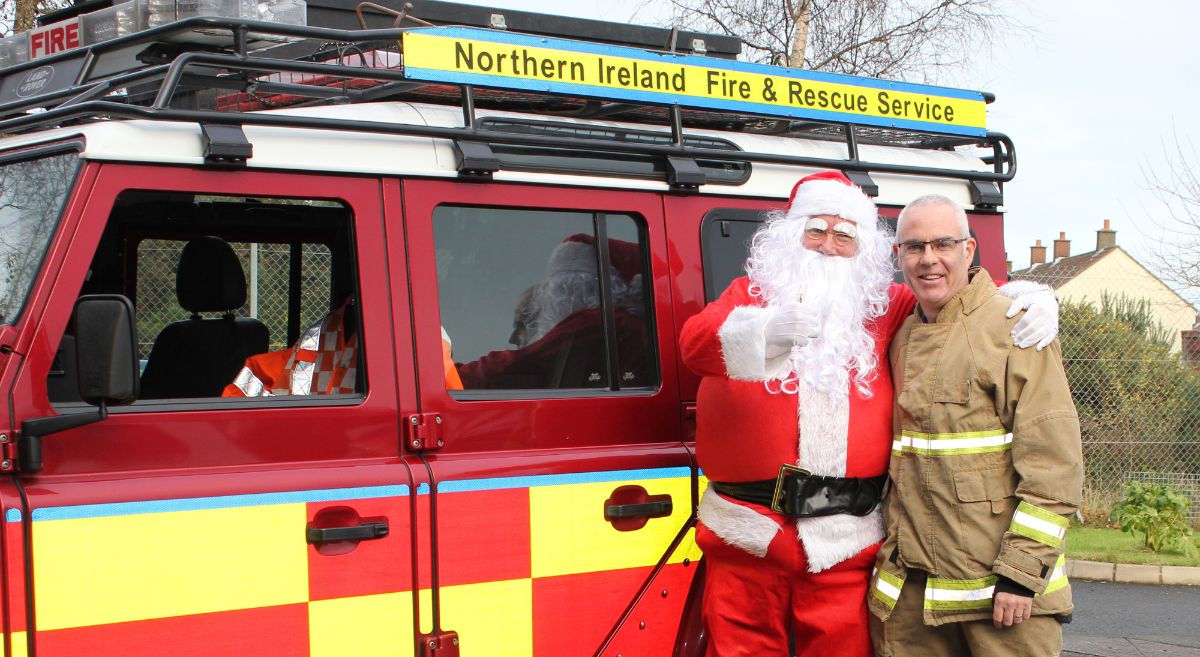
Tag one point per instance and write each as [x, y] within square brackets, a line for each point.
[1107, 270]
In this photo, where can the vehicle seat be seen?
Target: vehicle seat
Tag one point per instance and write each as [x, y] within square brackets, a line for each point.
[197, 357]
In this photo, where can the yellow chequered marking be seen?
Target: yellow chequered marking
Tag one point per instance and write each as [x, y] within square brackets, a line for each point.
[237, 558]
[19, 647]
[493, 619]
[569, 534]
[365, 626]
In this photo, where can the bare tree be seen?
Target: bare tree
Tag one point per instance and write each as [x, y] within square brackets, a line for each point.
[901, 39]
[21, 15]
[1175, 185]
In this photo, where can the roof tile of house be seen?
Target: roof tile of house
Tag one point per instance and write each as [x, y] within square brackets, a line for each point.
[1057, 273]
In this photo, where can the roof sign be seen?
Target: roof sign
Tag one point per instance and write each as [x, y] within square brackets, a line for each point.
[132, 16]
[461, 55]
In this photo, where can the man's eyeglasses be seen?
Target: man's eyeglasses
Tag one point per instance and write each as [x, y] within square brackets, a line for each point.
[940, 245]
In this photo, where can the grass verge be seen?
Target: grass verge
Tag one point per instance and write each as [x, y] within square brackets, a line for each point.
[1115, 546]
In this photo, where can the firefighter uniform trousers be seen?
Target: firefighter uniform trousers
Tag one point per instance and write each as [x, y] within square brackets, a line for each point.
[906, 635]
[752, 604]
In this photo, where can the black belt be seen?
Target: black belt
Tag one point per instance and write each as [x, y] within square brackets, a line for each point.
[798, 493]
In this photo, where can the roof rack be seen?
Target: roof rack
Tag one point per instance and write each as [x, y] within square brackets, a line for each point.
[163, 74]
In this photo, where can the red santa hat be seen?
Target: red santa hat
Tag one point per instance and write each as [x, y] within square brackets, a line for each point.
[832, 193]
[577, 254]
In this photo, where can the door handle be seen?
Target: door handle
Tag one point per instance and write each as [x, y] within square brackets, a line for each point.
[364, 532]
[630, 507]
[654, 509]
[339, 529]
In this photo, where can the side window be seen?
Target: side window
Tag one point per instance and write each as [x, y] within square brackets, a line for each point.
[268, 285]
[234, 297]
[544, 300]
[725, 242]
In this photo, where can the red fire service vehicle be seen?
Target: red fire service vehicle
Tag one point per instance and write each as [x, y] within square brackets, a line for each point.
[471, 235]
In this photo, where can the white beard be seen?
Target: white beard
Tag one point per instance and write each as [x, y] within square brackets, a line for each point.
[847, 293]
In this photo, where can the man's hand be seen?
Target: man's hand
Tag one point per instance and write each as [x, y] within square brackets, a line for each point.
[792, 326]
[1010, 609]
[1039, 326]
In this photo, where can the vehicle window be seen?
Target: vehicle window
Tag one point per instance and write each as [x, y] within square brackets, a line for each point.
[266, 268]
[32, 194]
[725, 242]
[537, 299]
[234, 297]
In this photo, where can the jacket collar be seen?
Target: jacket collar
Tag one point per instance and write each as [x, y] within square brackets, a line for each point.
[978, 290]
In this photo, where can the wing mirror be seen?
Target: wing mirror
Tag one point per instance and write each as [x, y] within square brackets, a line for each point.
[107, 367]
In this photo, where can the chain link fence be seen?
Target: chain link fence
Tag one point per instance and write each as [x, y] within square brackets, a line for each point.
[1138, 399]
[267, 270]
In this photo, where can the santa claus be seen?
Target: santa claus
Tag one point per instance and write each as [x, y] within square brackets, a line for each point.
[794, 419]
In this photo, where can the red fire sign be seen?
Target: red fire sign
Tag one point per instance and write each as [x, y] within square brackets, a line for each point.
[54, 38]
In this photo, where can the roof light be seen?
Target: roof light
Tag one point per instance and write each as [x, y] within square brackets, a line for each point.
[134, 16]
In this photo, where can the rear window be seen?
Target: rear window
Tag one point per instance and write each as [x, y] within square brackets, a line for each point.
[544, 299]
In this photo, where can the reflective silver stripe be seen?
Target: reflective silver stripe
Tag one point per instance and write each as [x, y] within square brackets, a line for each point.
[887, 587]
[977, 442]
[311, 337]
[952, 594]
[250, 385]
[1043, 526]
[1058, 578]
[302, 375]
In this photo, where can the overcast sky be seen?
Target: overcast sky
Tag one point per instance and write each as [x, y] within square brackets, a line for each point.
[1091, 101]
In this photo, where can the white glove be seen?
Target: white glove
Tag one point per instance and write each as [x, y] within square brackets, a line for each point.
[1039, 326]
[792, 326]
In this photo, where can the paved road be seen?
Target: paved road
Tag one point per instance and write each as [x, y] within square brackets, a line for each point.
[1131, 620]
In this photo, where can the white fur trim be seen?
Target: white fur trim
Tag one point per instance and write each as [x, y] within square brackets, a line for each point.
[739, 526]
[824, 424]
[835, 198]
[572, 258]
[1016, 289]
[830, 540]
[824, 421]
[744, 347]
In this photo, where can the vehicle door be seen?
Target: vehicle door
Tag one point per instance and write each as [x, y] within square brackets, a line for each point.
[35, 188]
[709, 240]
[552, 467]
[225, 521]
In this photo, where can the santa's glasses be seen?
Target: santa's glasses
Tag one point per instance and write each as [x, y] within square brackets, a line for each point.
[817, 230]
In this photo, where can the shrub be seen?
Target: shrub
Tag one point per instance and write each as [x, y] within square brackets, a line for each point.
[1159, 513]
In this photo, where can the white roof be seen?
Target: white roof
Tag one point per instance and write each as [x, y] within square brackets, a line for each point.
[302, 149]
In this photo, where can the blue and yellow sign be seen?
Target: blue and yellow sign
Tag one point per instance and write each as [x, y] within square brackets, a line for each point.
[518, 61]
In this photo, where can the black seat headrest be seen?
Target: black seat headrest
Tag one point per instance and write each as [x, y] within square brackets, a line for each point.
[210, 277]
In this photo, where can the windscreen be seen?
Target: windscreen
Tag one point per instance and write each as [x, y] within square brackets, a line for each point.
[32, 195]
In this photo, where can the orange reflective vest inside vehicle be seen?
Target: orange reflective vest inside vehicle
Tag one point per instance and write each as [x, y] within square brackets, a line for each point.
[322, 362]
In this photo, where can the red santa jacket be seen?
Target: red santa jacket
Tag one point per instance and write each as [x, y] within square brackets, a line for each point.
[570, 355]
[744, 432]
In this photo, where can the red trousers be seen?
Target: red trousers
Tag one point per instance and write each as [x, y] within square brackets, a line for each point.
[754, 605]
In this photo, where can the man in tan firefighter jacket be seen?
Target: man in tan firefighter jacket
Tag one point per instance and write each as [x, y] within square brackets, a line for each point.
[986, 464]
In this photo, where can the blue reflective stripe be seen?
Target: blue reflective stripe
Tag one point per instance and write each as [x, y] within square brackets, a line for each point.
[464, 485]
[205, 503]
[335, 494]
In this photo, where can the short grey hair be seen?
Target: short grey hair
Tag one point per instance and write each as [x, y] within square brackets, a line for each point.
[933, 200]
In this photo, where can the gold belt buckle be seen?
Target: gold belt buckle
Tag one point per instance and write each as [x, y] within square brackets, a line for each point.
[777, 498]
